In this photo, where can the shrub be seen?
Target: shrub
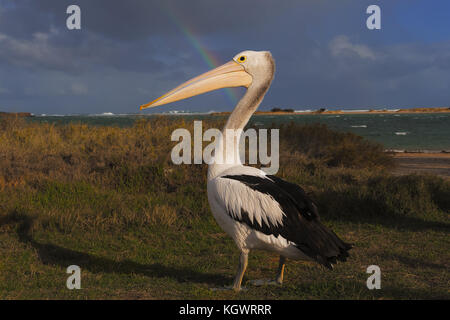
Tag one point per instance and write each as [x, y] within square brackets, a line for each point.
[333, 148]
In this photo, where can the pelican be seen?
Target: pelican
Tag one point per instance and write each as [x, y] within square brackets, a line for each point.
[257, 210]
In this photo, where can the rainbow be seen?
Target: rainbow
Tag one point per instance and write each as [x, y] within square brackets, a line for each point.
[206, 55]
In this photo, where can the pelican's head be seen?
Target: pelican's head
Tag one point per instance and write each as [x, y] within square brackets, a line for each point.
[259, 64]
[247, 68]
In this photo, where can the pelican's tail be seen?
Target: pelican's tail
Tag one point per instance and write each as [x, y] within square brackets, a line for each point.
[333, 249]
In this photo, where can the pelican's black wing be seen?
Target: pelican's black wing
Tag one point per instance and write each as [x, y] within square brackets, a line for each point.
[300, 223]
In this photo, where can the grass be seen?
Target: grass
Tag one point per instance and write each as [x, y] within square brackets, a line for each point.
[109, 200]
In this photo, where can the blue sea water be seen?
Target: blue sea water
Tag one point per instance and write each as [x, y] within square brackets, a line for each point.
[412, 132]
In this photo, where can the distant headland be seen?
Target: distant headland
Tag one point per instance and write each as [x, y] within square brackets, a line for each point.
[15, 114]
[279, 111]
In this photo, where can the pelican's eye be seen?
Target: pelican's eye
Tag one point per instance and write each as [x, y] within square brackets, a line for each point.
[242, 59]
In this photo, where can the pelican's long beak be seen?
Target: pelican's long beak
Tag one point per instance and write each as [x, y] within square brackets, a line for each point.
[231, 74]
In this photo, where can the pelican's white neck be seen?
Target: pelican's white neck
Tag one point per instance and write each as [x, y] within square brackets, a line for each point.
[236, 123]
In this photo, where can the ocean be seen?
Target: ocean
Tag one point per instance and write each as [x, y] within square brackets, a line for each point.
[425, 132]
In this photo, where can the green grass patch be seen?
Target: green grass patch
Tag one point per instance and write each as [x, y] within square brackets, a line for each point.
[109, 200]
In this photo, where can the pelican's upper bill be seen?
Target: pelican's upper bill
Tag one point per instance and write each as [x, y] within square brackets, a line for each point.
[239, 72]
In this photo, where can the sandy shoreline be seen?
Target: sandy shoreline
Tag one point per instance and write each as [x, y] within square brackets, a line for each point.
[413, 162]
[441, 155]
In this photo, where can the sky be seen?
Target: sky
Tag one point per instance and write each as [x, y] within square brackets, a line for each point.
[128, 53]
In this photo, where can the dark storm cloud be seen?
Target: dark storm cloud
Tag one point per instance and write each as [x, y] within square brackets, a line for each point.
[129, 52]
[33, 33]
[131, 19]
[350, 74]
[51, 51]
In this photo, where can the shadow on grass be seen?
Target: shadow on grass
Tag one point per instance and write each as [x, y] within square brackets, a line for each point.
[412, 262]
[357, 290]
[349, 208]
[57, 255]
[396, 222]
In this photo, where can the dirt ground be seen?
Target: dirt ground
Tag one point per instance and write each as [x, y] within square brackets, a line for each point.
[434, 163]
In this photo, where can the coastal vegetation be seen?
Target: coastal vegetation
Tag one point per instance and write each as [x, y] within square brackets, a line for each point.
[15, 114]
[281, 110]
[109, 200]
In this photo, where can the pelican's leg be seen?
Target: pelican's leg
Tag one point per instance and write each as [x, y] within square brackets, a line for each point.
[278, 280]
[243, 262]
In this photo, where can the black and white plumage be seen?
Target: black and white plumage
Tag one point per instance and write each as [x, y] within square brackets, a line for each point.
[298, 222]
[258, 211]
